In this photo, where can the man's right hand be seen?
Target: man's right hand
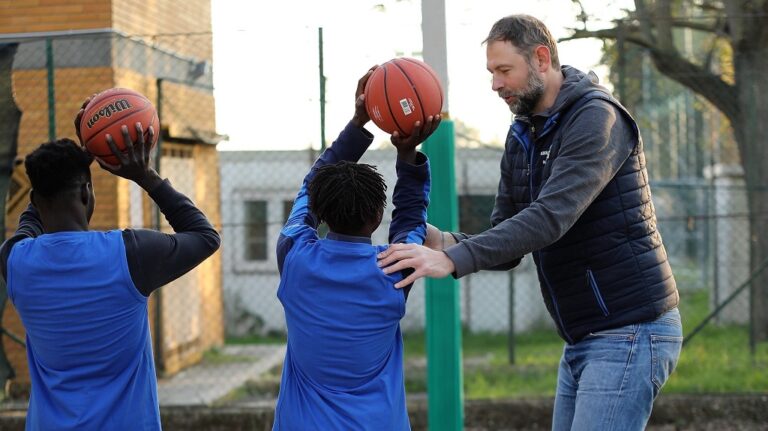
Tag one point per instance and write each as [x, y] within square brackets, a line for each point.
[424, 261]
[134, 161]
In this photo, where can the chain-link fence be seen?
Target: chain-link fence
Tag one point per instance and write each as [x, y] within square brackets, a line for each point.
[222, 323]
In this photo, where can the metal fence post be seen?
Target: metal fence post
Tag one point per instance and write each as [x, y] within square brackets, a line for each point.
[50, 67]
[443, 318]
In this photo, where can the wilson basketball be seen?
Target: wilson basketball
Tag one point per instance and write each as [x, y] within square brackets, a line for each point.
[107, 112]
[401, 92]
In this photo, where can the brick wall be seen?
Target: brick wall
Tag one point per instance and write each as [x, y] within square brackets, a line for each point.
[118, 63]
[23, 16]
[141, 17]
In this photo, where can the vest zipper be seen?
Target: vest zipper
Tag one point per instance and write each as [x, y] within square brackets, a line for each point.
[555, 306]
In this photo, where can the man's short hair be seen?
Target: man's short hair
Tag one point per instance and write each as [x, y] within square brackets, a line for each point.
[58, 166]
[526, 33]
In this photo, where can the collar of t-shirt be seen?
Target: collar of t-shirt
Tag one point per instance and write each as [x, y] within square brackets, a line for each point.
[348, 238]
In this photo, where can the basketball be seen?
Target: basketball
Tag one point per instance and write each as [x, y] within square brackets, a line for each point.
[401, 92]
[107, 112]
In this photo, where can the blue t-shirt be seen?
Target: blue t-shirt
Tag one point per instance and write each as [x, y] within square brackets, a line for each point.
[88, 342]
[343, 367]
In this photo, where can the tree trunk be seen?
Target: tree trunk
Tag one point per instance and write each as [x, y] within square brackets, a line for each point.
[751, 132]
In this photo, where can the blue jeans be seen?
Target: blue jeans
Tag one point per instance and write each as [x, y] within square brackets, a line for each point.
[608, 380]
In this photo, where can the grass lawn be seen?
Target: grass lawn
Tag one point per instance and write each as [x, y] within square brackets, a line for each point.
[717, 360]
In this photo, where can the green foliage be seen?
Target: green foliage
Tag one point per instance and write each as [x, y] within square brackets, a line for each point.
[215, 356]
[718, 360]
[272, 338]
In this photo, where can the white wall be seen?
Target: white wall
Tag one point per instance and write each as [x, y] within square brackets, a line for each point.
[275, 176]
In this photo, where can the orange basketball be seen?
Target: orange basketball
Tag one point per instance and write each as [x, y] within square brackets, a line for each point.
[107, 112]
[401, 92]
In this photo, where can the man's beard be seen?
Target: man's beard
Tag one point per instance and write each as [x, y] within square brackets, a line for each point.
[527, 98]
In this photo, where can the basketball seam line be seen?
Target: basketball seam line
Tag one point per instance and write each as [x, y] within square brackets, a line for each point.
[434, 75]
[146, 106]
[415, 90]
[389, 106]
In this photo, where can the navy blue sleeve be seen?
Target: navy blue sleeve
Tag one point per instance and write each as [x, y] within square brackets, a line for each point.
[157, 258]
[30, 226]
[351, 144]
[410, 199]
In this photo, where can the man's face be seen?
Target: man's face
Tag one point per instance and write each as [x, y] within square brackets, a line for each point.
[515, 79]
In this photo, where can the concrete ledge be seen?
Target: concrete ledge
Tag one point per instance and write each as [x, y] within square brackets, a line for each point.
[671, 413]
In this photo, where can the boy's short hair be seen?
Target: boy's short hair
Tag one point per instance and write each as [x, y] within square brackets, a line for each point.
[347, 195]
[58, 166]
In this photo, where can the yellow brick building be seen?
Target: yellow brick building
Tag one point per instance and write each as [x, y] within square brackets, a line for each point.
[70, 49]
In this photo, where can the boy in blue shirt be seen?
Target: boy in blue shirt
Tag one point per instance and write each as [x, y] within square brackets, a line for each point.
[343, 367]
[82, 294]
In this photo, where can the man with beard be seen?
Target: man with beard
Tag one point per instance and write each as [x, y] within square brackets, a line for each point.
[574, 194]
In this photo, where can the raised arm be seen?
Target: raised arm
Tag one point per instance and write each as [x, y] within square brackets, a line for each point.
[156, 258]
[411, 195]
[351, 144]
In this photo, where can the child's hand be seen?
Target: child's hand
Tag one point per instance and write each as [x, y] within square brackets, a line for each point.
[79, 117]
[406, 145]
[135, 160]
[361, 116]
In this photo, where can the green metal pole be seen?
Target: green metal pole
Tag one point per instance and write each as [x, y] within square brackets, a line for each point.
[51, 93]
[511, 324]
[322, 91]
[444, 372]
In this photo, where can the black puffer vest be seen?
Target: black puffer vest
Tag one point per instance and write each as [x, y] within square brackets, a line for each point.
[610, 269]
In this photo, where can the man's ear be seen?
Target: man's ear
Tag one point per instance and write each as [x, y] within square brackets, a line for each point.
[542, 58]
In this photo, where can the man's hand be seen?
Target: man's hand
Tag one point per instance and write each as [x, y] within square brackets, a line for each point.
[134, 161]
[406, 145]
[424, 261]
[361, 117]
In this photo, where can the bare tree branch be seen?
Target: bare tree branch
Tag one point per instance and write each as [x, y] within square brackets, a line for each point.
[609, 33]
[708, 28]
[670, 63]
[698, 79]
[582, 16]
